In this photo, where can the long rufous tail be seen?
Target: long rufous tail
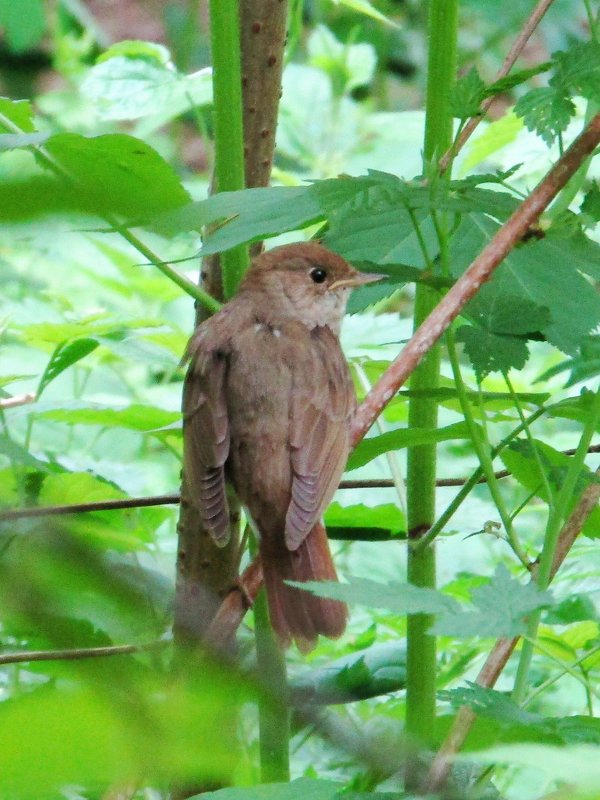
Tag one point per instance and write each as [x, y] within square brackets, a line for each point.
[296, 614]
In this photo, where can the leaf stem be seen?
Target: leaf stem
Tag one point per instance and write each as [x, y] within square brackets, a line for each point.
[481, 449]
[555, 522]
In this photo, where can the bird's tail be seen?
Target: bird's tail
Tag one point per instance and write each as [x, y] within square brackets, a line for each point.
[296, 614]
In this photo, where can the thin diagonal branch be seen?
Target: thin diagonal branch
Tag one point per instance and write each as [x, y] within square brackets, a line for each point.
[498, 658]
[515, 51]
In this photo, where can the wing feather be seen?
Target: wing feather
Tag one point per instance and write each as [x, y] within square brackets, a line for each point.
[206, 434]
[319, 434]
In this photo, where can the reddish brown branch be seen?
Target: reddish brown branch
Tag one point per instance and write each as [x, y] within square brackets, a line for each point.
[468, 284]
[515, 51]
[498, 658]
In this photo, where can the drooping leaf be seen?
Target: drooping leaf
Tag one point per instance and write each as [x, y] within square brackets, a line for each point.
[500, 608]
[396, 597]
[64, 356]
[375, 446]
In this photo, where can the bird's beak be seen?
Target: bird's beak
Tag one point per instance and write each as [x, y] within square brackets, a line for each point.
[356, 279]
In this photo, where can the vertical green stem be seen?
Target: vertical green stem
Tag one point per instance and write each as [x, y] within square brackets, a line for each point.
[556, 518]
[421, 660]
[229, 133]
[273, 711]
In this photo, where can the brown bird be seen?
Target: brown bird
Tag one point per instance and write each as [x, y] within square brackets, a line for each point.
[267, 406]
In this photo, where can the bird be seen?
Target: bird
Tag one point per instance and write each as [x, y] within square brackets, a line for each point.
[268, 401]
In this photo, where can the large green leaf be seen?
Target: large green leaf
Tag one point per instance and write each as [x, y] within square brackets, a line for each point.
[19, 112]
[375, 446]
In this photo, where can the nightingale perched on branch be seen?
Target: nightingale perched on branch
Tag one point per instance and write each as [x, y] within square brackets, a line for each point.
[267, 404]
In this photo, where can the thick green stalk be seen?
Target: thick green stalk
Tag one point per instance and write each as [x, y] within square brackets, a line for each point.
[273, 710]
[229, 129]
[421, 660]
[558, 514]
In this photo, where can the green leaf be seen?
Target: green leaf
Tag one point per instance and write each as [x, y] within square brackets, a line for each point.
[500, 609]
[366, 8]
[300, 789]
[576, 765]
[348, 65]
[136, 48]
[375, 446]
[490, 352]
[135, 417]
[122, 174]
[575, 608]
[578, 70]
[400, 598]
[489, 703]
[542, 272]
[24, 23]
[65, 355]
[545, 111]
[591, 202]
[126, 87]
[517, 78]
[387, 517]
[366, 673]
[583, 366]
[467, 95]
[19, 112]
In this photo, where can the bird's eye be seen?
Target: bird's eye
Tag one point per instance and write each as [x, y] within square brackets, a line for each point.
[318, 274]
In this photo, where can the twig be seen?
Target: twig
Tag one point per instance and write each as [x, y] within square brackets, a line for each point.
[175, 498]
[513, 54]
[498, 658]
[77, 653]
[17, 400]
[468, 284]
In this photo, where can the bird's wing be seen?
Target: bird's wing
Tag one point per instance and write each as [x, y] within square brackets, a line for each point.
[206, 432]
[322, 406]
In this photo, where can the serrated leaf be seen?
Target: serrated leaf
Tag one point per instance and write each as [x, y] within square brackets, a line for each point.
[541, 272]
[491, 352]
[467, 94]
[396, 597]
[489, 703]
[517, 78]
[591, 202]
[375, 446]
[578, 70]
[583, 366]
[545, 111]
[500, 609]
[64, 356]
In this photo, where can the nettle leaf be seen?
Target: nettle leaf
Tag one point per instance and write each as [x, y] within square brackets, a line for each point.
[375, 446]
[583, 366]
[517, 78]
[541, 272]
[133, 85]
[491, 352]
[495, 342]
[19, 112]
[578, 70]
[467, 95]
[65, 355]
[591, 202]
[500, 609]
[400, 598]
[489, 703]
[545, 111]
